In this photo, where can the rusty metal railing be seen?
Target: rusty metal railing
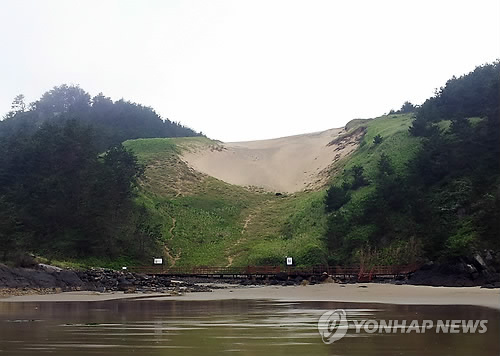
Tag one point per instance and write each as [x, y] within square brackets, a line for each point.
[339, 271]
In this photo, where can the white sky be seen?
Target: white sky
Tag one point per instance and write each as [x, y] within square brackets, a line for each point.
[241, 70]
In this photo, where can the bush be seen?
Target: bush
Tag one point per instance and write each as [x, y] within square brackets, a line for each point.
[310, 255]
[462, 241]
[377, 140]
[335, 198]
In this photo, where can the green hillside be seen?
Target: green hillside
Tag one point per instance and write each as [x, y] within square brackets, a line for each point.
[419, 184]
[205, 221]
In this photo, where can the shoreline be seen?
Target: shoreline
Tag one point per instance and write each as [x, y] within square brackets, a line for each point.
[329, 292]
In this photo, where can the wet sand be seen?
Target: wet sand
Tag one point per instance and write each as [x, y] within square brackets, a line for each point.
[368, 293]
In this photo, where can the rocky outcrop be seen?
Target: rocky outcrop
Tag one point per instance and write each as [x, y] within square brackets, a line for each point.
[95, 279]
[479, 269]
[39, 277]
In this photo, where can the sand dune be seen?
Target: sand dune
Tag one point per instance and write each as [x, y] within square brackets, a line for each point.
[287, 164]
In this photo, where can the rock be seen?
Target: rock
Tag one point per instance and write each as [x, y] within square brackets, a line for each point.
[427, 266]
[323, 277]
[470, 268]
[130, 289]
[479, 262]
[328, 279]
[26, 261]
[40, 279]
[488, 256]
[282, 276]
[67, 278]
[49, 268]
[491, 285]
[314, 279]
[460, 267]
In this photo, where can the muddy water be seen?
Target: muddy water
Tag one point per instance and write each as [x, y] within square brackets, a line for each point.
[228, 328]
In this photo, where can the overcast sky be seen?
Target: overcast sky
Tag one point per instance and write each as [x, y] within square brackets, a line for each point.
[242, 70]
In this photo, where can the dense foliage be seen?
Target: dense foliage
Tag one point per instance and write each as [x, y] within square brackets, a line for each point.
[61, 197]
[445, 202]
[114, 122]
[67, 185]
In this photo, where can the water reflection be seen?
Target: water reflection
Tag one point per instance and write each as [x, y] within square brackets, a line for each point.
[143, 327]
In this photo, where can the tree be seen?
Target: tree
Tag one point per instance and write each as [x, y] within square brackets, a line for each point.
[446, 198]
[114, 122]
[406, 108]
[471, 95]
[377, 140]
[59, 195]
[422, 128]
[335, 198]
[359, 179]
[18, 106]
[384, 165]
[64, 99]
[123, 171]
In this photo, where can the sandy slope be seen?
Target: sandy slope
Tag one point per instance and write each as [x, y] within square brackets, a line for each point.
[286, 164]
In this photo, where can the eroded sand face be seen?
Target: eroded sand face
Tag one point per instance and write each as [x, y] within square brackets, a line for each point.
[287, 164]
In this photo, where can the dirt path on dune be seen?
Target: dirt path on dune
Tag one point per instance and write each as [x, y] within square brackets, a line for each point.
[246, 222]
[171, 257]
[231, 257]
[171, 231]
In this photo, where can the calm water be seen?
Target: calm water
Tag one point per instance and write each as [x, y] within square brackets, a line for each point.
[227, 328]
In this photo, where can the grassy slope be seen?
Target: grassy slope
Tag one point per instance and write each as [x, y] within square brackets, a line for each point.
[205, 221]
[397, 144]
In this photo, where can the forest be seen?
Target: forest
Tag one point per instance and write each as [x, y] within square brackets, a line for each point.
[113, 121]
[67, 185]
[445, 201]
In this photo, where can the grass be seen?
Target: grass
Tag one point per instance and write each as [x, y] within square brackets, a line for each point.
[205, 221]
[397, 144]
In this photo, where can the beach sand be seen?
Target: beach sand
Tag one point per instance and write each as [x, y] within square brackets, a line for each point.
[366, 293]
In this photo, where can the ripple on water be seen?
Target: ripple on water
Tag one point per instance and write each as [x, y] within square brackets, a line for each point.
[253, 327]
